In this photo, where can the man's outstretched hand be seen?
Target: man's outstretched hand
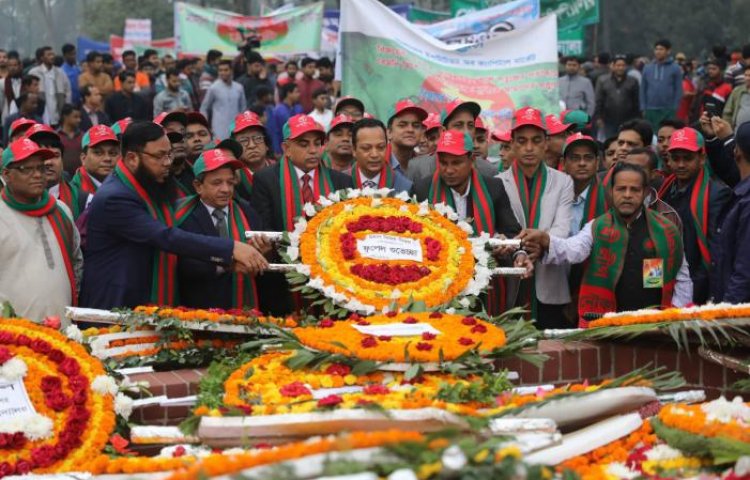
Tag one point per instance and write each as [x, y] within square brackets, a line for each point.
[248, 260]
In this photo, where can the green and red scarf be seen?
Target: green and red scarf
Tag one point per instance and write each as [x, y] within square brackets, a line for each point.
[61, 224]
[596, 202]
[605, 264]
[70, 197]
[699, 198]
[246, 179]
[82, 180]
[385, 181]
[291, 194]
[163, 278]
[244, 291]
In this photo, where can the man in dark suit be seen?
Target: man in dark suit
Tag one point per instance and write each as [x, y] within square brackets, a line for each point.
[371, 167]
[132, 242]
[91, 111]
[297, 179]
[213, 212]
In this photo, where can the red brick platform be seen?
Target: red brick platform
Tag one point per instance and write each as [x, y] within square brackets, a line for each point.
[568, 362]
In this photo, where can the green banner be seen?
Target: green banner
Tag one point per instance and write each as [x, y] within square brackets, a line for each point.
[570, 41]
[463, 7]
[291, 31]
[423, 16]
[572, 13]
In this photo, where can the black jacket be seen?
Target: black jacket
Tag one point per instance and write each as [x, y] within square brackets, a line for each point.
[617, 100]
[505, 221]
[86, 120]
[119, 106]
[204, 284]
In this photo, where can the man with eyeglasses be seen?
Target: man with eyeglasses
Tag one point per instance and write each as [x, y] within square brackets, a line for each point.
[39, 244]
[175, 124]
[133, 244]
[197, 135]
[248, 131]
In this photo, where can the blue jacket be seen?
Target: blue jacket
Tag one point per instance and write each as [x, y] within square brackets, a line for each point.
[661, 85]
[279, 116]
[122, 241]
[730, 265]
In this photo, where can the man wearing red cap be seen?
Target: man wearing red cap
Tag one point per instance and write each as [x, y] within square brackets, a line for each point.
[477, 199]
[281, 191]
[338, 155]
[430, 134]
[371, 168]
[699, 199]
[100, 152]
[131, 255]
[580, 161]
[197, 135]
[506, 155]
[14, 125]
[250, 133]
[214, 212]
[350, 106]
[481, 141]
[557, 133]
[39, 244]
[541, 198]
[404, 132]
[175, 124]
[461, 116]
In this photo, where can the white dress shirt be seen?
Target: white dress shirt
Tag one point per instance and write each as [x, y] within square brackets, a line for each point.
[211, 212]
[460, 200]
[577, 249]
[365, 178]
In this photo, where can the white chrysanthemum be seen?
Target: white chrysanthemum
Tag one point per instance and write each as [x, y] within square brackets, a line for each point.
[316, 283]
[465, 302]
[466, 227]
[402, 196]
[424, 209]
[376, 202]
[74, 333]
[309, 209]
[234, 451]
[403, 209]
[303, 269]
[12, 370]
[98, 346]
[294, 238]
[621, 471]
[663, 452]
[123, 405]
[454, 458]
[452, 216]
[127, 385]
[324, 202]
[293, 253]
[450, 311]
[105, 385]
[396, 294]
[725, 411]
[742, 467]
[33, 426]
[348, 207]
[354, 193]
[403, 474]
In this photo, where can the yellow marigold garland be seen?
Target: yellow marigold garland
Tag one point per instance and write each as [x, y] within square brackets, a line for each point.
[230, 317]
[692, 419]
[705, 313]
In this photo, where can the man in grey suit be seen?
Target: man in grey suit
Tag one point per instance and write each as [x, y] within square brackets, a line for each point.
[541, 198]
[461, 116]
[371, 168]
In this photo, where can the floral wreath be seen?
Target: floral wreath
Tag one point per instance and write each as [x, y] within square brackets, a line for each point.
[367, 252]
[71, 402]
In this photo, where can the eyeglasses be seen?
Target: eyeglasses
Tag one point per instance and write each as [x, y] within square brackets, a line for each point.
[163, 158]
[255, 139]
[27, 170]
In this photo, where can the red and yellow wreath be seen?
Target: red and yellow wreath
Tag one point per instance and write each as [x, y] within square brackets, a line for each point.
[69, 416]
[443, 336]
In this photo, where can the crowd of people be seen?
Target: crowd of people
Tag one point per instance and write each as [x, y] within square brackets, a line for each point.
[135, 184]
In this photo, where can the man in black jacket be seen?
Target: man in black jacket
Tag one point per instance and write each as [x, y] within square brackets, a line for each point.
[126, 103]
[616, 97]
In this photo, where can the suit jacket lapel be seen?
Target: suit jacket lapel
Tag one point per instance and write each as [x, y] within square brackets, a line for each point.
[515, 200]
[204, 220]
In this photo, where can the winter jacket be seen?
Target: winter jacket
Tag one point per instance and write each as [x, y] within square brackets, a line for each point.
[577, 93]
[661, 85]
[617, 100]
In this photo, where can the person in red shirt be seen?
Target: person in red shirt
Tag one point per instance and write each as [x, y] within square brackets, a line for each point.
[307, 84]
[713, 92]
[688, 92]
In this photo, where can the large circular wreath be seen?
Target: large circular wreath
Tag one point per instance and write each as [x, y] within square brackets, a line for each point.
[437, 265]
[72, 399]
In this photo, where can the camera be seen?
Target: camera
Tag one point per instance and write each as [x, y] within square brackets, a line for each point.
[250, 41]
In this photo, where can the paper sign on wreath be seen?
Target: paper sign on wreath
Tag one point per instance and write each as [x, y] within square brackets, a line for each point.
[368, 252]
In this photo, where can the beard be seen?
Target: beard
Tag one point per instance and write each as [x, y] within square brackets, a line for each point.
[160, 192]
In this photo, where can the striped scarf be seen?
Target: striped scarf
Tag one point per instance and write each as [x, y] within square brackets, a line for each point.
[291, 194]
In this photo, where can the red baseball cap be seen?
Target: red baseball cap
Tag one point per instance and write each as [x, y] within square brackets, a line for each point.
[368, 115]
[577, 138]
[432, 121]
[479, 124]
[339, 120]
[98, 134]
[301, 124]
[456, 104]
[39, 129]
[501, 136]
[687, 139]
[554, 125]
[211, 160]
[197, 117]
[243, 121]
[348, 100]
[455, 142]
[22, 149]
[528, 116]
[405, 106]
[121, 125]
[21, 123]
[176, 116]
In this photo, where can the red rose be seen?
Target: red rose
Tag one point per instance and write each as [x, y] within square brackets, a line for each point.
[5, 355]
[52, 321]
[465, 341]
[78, 382]
[326, 323]
[428, 336]
[384, 338]
[424, 346]
[294, 389]
[50, 383]
[80, 414]
[56, 356]
[23, 341]
[410, 320]
[478, 328]
[436, 315]
[179, 451]
[69, 367]
[57, 401]
[43, 456]
[469, 321]
[40, 346]
[246, 409]
[338, 369]
[354, 317]
[376, 389]
[6, 338]
[6, 469]
[330, 401]
[369, 342]
[119, 444]
[23, 467]
[259, 446]
[80, 397]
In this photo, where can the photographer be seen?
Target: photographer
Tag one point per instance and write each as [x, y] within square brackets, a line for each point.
[254, 77]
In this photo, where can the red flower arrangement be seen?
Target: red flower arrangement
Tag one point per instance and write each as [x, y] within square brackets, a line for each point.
[384, 224]
[294, 389]
[390, 275]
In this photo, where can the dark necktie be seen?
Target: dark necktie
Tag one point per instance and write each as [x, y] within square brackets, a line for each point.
[307, 192]
[221, 222]
[368, 184]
